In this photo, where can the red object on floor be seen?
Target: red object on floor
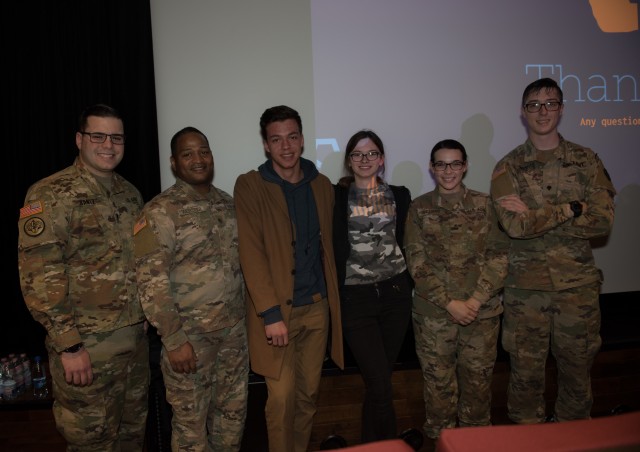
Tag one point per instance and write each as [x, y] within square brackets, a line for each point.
[390, 445]
[620, 432]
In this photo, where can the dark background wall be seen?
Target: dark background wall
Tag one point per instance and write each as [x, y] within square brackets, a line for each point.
[57, 58]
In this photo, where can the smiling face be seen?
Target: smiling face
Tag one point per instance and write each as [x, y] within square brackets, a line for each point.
[449, 180]
[100, 159]
[365, 171]
[193, 161]
[543, 123]
[284, 143]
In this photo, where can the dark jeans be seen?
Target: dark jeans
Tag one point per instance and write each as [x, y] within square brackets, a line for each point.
[375, 318]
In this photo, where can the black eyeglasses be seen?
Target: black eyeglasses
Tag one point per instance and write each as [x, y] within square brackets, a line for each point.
[534, 107]
[358, 156]
[456, 165]
[98, 137]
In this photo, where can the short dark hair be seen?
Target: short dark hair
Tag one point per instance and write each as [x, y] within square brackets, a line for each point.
[540, 84]
[448, 144]
[100, 110]
[179, 133]
[351, 144]
[275, 114]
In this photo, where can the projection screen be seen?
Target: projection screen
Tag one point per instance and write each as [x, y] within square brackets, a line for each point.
[416, 72]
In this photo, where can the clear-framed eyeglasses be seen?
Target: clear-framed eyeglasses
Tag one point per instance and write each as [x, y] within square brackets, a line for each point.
[358, 156]
[98, 137]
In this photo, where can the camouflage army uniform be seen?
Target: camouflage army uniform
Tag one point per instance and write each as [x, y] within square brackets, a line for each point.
[76, 263]
[455, 250]
[191, 289]
[552, 286]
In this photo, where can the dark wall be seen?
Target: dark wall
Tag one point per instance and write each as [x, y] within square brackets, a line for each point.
[59, 57]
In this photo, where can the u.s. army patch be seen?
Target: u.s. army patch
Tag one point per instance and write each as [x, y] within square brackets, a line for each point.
[33, 227]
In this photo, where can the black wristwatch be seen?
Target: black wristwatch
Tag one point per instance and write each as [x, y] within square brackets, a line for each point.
[73, 348]
[576, 207]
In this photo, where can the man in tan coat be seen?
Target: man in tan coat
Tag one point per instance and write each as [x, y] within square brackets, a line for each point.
[284, 212]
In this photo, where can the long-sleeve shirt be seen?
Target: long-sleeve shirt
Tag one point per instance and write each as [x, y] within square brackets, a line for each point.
[395, 198]
[455, 252]
[188, 267]
[550, 250]
[75, 254]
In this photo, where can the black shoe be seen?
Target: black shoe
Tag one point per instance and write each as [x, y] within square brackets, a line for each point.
[413, 437]
[551, 418]
[333, 442]
[621, 409]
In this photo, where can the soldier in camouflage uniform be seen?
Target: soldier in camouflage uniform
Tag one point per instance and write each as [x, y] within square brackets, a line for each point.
[375, 287]
[77, 272]
[457, 256]
[192, 291]
[551, 197]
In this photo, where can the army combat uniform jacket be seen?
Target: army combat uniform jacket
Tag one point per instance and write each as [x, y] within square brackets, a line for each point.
[75, 255]
[188, 268]
[455, 252]
[549, 250]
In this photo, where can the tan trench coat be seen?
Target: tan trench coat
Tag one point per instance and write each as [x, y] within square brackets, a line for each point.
[266, 255]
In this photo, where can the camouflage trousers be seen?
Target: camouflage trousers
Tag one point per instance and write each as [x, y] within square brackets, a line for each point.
[210, 406]
[568, 323]
[110, 414]
[457, 367]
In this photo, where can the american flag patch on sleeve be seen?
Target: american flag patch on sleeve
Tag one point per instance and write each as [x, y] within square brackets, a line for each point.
[31, 209]
[140, 224]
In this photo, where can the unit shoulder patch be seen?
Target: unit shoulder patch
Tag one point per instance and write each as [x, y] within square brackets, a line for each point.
[33, 227]
[501, 184]
[144, 240]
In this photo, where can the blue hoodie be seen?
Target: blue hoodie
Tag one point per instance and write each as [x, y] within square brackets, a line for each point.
[305, 235]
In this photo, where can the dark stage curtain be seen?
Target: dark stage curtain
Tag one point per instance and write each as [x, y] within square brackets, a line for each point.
[58, 57]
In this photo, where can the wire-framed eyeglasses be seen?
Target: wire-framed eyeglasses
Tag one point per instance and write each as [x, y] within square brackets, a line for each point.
[98, 137]
[358, 156]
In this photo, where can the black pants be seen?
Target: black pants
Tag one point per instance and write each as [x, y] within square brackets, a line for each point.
[375, 318]
[158, 436]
